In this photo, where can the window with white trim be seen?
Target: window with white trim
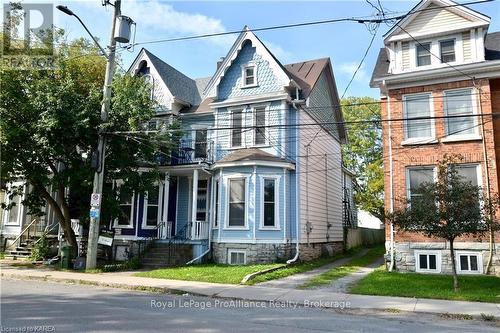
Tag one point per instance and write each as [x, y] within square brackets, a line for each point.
[250, 75]
[447, 48]
[418, 124]
[237, 188]
[13, 215]
[423, 54]
[236, 132]
[124, 218]
[469, 263]
[260, 125]
[152, 201]
[269, 202]
[200, 143]
[469, 173]
[459, 103]
[416, 176]
[236, 257]
[201, 207]
[428, 261]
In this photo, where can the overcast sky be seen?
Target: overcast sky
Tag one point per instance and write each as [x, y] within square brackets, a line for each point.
[344, 43]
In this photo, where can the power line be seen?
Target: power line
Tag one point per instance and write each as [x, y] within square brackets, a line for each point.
[359, 19]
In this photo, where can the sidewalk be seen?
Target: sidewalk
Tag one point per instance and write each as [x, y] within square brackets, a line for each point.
[310, 298]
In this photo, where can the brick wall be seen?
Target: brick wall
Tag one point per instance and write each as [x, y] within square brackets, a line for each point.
[428, 154]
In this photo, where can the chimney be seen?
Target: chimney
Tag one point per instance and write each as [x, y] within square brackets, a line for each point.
[220, 62]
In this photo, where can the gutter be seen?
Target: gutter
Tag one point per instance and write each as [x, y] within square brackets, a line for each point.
[297, 216]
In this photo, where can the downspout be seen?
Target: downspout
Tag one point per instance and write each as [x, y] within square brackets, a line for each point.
[297, 217]
[391, 201]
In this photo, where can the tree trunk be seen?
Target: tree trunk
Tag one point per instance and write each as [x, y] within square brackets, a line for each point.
[490, 256]
[64, 219]
[454, 266]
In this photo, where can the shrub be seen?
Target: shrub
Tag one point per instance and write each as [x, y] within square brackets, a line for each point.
[40, 250]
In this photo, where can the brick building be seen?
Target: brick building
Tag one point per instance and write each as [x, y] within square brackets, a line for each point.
[439, 61]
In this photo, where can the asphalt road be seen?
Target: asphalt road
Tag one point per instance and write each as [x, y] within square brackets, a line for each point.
[31, 306]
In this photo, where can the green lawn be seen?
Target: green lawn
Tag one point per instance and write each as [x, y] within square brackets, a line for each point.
[349, 268]
[472, 288]
[207, 272]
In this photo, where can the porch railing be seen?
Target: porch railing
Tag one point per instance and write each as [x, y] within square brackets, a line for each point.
[199, 230]
[189, 152]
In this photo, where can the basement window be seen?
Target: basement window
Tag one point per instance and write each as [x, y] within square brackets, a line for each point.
[428, 261]
[469, 263]
[236, 257]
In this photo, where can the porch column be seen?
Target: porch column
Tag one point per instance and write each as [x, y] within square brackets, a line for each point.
[194, 205]
[166, 194]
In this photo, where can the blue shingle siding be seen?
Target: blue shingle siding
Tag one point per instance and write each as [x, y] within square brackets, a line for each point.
[320, 104]
[232, 82]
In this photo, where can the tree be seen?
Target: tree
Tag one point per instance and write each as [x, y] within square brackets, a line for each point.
[49, 124]
[363, 152]
[448, 208]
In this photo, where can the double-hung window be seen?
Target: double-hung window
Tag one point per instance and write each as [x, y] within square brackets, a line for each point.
[423, 54]
[468, 172]
[217, 203]
[269, 202]
[237, 188]
[200, 144]
[125, 212]
[201, 212]
[447, 50]
[418, 123]
[14, 214]
[260, 125]
[250, 75]
[416, 177]
[236, 131]
[152, 211]
[459, 103]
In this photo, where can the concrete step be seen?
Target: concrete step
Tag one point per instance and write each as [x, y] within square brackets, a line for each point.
[20, 253]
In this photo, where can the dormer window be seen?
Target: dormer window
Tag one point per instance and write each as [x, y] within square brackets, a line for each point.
[250, 75]
[423, 54]
[447, 50]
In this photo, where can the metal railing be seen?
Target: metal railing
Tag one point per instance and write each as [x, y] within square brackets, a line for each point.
[25, 233]
[189, 152]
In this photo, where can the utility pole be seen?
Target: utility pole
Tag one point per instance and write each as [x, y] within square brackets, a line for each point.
[101, 147]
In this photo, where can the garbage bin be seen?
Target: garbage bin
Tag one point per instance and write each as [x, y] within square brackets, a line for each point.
[66, 256]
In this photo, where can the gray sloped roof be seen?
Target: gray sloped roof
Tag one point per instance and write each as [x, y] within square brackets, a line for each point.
[250, 154]
[180, 85]
[492, 46]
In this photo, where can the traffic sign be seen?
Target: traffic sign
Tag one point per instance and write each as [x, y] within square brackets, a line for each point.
[95, 200]
[94, 213]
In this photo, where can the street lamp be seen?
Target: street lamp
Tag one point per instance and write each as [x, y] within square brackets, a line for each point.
[69, 12]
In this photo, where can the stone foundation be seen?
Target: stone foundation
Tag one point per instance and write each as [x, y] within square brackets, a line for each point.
[269, 253]
[405, 254]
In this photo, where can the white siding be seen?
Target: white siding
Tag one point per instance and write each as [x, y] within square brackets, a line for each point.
[320, 186]
[466, 44]
[406, 55]
[432, 21]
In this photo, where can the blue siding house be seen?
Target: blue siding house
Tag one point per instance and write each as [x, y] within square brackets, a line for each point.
[258, 176]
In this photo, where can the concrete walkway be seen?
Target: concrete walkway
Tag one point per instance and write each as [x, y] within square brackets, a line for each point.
[285, 296]
[342, 285]
[296, 280]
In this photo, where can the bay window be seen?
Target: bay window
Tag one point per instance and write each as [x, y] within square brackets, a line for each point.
[269, 203]
[237, 188]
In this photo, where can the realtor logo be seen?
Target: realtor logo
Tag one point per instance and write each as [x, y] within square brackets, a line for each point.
[28, 32]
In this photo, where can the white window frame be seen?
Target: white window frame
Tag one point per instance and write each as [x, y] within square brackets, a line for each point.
[417, 45]
[266, 123]
[20, 207]
[438, 255]
[418, 167]
[454, 49]
[118, 184]
[478, 171]
[243, 136]
[419, 140]
[436, 52]
[459, 137]
[144, 225]
[250, 64]
[479, 256]
[227, 179]
[277, 224]
[195, 129]
[231, 251]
